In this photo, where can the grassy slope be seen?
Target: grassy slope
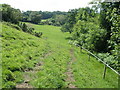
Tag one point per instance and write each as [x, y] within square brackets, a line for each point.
[19, 52]
[22, 51]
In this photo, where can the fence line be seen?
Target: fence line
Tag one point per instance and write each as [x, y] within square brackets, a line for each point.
[98, 59]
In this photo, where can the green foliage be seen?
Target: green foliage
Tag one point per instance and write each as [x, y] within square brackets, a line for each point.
[30, 30]
[89, 36]
[97, 29]
[38, 34]
[110, 21]
[35, 17]
[49, 17]
[83, 14]
[56, 20]
[24, 27]
[110, 60]
[10, 14]
[86, 14]
[70, 21]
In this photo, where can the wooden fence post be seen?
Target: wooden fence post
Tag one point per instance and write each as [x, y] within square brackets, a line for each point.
[104, 73]
[80, 49]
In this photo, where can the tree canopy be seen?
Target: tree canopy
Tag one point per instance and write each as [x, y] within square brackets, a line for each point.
[10, 14]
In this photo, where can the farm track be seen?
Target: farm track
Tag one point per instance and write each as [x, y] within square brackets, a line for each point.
[70, 78]
[27, 73]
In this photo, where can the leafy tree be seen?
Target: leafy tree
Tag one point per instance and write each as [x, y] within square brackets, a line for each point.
[70, 21]
[58, 20]
[110, 18]
[113, 17]
[10, 14]
[36, 19]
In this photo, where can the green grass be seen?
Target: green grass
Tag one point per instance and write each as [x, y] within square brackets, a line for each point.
[55, 65]
[89, 73]
[22, 51]
[19, 52]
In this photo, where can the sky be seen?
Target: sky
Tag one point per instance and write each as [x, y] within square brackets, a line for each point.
[46, 5]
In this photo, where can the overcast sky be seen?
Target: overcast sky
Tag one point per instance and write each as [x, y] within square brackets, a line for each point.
[46, 5]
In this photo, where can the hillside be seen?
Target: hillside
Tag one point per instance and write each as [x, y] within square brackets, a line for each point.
[20, 52]
[49, 62]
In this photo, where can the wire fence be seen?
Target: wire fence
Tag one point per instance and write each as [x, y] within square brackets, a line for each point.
[106, 65]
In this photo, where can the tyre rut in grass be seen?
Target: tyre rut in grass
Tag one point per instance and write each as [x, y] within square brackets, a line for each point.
[30, 74]
[70, 78]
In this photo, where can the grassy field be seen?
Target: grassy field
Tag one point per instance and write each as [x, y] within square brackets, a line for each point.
[49, 61]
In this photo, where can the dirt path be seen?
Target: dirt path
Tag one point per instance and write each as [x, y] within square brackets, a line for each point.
[69, 73]
[30, 74]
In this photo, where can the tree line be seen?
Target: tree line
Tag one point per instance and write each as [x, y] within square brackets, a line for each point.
[37, 16]
[56, 18]
[13, 15]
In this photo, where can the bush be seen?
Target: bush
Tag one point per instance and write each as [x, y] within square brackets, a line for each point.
[30, 30]
[38, 34]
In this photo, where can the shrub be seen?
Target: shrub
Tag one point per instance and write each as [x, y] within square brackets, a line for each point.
[38, 34]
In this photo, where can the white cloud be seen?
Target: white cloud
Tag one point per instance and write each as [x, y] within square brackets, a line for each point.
[46, 5]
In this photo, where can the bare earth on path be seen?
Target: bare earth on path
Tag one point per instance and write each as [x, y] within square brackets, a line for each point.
[69, 73]
[27, 73]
